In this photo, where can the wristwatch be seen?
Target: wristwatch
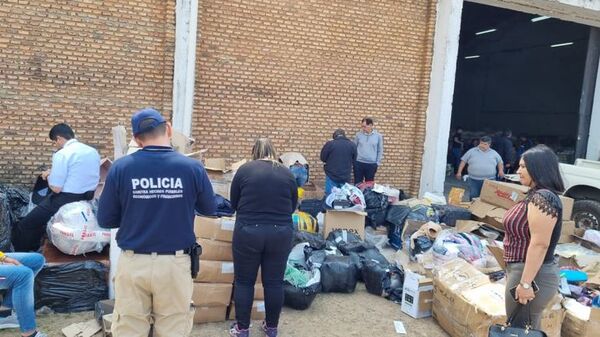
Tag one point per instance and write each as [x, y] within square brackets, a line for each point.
[525, 286]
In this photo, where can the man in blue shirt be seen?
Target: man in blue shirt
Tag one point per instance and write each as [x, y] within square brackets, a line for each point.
[150, 196]
[74, 176]
[369, 148]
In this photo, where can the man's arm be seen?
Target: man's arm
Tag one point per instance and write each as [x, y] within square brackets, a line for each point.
[461, 167]
[205, 202]
[325, 152]
[379, 150]
[58, 174]
[109, 206]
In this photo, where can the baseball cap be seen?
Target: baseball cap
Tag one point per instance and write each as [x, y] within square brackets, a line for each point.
[146, 120]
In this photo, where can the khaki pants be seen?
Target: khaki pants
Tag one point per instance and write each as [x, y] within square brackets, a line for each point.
[153, 289]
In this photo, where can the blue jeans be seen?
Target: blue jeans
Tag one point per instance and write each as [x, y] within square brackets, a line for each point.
[474, 187]
[300, 173]
[18, 280]
[456, 154]
[330, 184]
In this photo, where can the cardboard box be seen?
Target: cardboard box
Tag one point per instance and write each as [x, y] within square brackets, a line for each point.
[104, 307]
[212, 294]
[488, 213]
[506, 195]
[352, 221]
[215, 272]
[221, 187]
[214, 250]
[259, 291]
[417, 295]
[502, 194]
[105, 165]
[214, 228]
[568, 229]
[573, 326]
[210, 314]
[466, 303]
[258, 311]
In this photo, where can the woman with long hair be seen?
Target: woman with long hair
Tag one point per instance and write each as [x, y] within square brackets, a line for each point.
[533, 228]
[264, 194]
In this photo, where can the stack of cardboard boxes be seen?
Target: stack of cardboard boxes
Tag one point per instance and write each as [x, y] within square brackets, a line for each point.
[213, 287]
[497, 197]
[467, 303]
[214, 284]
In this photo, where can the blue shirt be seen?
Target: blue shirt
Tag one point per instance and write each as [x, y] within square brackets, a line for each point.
[482, 165]
[75, 168]
[369, 147]
[151, 195]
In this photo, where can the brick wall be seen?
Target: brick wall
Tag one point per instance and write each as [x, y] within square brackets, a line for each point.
[88, 63]
[297, 70]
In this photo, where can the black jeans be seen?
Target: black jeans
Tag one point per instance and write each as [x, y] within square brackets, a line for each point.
[364, 172]
[267, 247]
[27, 233]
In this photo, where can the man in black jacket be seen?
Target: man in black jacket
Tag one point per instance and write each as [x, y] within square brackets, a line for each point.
[338, 155]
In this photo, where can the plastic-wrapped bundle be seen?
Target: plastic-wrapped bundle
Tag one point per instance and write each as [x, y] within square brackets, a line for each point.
[339, 274]
[449, 245]
[74, 229]
[342, 236]
[71, 287]
[383, 279]
[315, 241]
[448, 214]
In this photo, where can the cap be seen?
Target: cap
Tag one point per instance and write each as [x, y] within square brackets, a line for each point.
[146, 120]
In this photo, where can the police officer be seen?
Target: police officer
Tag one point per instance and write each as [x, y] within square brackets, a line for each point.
[150, 196]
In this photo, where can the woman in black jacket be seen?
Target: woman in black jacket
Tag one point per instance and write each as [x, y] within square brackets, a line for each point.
[264, 194]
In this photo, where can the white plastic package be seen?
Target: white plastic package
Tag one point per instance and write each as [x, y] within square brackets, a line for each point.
[74, 229]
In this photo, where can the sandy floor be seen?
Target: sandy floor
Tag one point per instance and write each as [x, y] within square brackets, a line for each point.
[331, 315]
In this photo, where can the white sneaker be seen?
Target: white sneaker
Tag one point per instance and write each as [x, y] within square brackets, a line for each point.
[9, 322]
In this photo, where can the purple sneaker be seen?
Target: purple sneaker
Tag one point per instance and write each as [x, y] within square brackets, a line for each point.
[235, 331]
[269, 332]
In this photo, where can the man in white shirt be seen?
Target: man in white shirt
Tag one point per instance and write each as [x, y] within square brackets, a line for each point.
[74, 176]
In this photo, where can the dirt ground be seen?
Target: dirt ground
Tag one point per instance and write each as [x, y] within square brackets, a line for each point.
[331, 315]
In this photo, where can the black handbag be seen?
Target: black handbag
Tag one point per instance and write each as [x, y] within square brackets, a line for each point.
[506, 330]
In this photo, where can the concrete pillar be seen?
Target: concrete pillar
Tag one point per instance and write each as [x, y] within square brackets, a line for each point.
[186, 17]
[593, 147]
[441, 93]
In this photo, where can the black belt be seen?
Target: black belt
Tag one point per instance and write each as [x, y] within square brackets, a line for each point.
[183, 251]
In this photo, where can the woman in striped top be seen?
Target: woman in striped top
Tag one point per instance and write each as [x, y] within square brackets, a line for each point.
[532, 231]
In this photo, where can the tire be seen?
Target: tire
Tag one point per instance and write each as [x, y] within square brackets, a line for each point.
[586, 214]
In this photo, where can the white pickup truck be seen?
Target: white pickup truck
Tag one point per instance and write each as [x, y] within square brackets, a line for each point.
[582, 183]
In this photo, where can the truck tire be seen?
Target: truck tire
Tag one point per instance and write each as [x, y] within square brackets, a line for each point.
[586, 214]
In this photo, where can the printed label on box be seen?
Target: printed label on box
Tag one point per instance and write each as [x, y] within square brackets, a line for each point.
[227, 225]
[227, 267]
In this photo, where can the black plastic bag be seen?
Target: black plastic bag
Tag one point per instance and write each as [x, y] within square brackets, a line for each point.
[338, 274]
[448, 214]
[383, 280]
[371, 254]
[374, 200]
[315, 240]
[396, 215]
[14, 202]
[354, 247]
[71, 287]
[375, 217]
[395, 219]
[40, 190]
[314, 257]
[300, 298]
[423, 213]
[421, 245]
[339, 236]
[312, 206]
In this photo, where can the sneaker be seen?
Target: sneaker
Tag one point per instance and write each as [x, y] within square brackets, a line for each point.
[269, 332]
[235, 331]
[9, 322]
[40, 334]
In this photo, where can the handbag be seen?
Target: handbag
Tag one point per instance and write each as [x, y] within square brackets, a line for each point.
[506, 330]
